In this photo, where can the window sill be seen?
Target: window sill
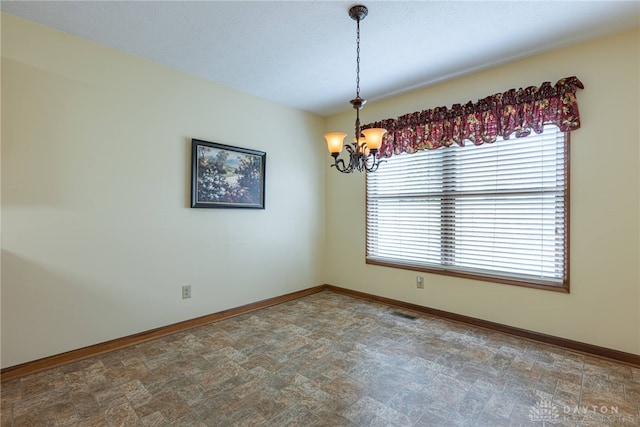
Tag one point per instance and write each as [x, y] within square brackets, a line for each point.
[562, 288]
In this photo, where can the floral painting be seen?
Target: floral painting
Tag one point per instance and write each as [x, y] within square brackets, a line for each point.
[226, 177]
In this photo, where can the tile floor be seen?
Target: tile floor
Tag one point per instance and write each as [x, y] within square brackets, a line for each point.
[329, 360]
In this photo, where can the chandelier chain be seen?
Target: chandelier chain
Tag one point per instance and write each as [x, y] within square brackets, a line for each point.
[358, 58]
[357, 124]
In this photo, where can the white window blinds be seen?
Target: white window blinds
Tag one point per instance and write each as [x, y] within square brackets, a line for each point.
[496, 211]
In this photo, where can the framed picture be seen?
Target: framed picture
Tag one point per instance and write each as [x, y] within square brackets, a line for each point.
[223, 176]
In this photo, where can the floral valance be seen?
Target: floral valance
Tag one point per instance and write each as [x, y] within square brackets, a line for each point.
[512, 113]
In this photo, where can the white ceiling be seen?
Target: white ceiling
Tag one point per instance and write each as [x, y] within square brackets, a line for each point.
[302, 53]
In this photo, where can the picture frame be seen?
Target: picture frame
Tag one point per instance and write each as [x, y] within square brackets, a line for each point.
[223, 176]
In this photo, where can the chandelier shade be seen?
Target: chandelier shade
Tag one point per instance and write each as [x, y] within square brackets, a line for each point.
[373, 137]
[364, 149]
[335, 140]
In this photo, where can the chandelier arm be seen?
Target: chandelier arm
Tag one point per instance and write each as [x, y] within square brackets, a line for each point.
[371, 168]
[348, 169]
[375, 165]
[352, 157]
[339, 164]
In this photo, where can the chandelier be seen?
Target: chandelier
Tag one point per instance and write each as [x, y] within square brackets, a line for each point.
[362, 152]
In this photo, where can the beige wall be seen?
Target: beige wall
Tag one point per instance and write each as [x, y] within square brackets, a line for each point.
[603, 307]
[98, 236]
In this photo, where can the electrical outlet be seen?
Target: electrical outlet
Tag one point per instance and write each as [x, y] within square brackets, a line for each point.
[186, 291]
[419, 282]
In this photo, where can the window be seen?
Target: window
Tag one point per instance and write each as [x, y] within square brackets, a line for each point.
[493, 212]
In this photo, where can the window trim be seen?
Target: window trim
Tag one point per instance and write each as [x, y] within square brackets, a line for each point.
[527, 283]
